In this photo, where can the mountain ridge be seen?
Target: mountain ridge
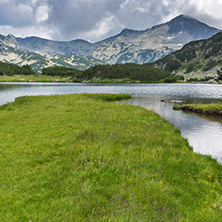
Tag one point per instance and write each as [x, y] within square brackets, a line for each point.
[152, 43]
[128, 46]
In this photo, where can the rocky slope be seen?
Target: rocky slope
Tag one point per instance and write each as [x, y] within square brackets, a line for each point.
[128, 46]
[12, 52]
[152, 44]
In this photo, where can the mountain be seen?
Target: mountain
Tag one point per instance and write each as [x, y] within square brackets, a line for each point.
[154, 43]
[12, 51]
[129, 46]
[197, 59]
[49, 48]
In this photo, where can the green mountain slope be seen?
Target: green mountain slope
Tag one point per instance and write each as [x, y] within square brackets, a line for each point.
[197, 59]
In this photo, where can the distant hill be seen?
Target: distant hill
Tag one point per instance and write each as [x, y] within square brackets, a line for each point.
[197, 59]
[129, 46]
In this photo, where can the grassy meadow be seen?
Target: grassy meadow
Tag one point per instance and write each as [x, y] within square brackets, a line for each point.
[36, 78]
[84, 158]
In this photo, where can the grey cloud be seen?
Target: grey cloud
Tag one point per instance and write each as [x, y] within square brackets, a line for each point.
[98, 19]
[19, 13]
[72, 19]
[15, 15]
[84, 16]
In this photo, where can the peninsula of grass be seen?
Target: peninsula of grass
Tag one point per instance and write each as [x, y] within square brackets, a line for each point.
[80, 158]
[206, 109]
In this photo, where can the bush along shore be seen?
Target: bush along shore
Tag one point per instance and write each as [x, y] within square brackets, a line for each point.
[206, 109]
[84, 158]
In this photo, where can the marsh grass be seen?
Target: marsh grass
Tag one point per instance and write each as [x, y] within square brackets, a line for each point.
[206, 109]
[79, 158]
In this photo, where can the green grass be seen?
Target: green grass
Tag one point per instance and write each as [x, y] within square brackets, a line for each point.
[115, 97]
[206, 109]
[36, 78]
[79, 158]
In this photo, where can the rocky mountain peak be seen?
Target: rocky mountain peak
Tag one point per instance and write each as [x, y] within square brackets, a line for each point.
[128, 32]
[9, 40]
[191, 26]
[10, 36]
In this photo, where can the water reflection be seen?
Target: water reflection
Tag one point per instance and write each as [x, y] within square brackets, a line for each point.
[203, 135]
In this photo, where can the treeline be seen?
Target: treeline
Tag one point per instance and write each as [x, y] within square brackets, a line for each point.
[61, 71]
[11, 69]
[131, 71]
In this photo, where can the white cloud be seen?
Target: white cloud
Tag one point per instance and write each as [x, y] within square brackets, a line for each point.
[42, 13]
[34, 2]
[210, 8]
[24, 9]
[129, 6]
[124, 4]
[206, 11]
[39, 31]
[166, 3]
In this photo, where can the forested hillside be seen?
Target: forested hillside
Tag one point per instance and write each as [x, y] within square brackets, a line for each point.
[129, 71]
[61, 71]
[200, 59]
[11, 69]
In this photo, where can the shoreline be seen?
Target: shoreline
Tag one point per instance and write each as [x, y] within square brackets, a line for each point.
[103, 82]
[214, 109]
[68, 79]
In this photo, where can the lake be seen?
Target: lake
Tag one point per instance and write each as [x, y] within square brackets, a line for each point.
[204, 135]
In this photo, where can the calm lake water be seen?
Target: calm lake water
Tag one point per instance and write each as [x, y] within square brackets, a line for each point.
[204, 135]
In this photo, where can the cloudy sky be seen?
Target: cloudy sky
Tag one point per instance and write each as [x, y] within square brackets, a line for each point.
[94, 20]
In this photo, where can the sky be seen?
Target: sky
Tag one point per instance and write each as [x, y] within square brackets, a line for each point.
[94, 20]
